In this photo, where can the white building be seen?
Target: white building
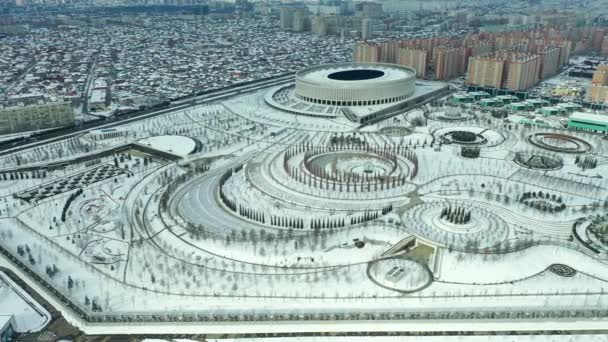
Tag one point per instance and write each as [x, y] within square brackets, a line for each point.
[108, 133]
[98, 99]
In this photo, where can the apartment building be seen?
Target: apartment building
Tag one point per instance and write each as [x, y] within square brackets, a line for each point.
[415, 59]
[34, 117]
[367, 53]
[486, 71]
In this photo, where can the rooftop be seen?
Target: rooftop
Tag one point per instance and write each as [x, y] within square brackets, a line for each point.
[589, 117]
[342, 74]
[4, 321]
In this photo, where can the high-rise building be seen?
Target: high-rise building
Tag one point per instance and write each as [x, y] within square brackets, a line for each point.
[598, 92]
[565, 52]
[241, 7]
[390, 52]
[372, 10]
[477, 47]
[604, 50]
[535, 54]
[486, 71]
[319, 25]
[286, 18]
[300, 15]
[415, 59]
[367, 53]
[366, 29]
[448, 62]
[262, 8]
[522, 71]
[325, 9]
[600, 77]
[549, 61]
[597, 39]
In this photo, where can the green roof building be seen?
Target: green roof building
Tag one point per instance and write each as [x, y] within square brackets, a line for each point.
[463, 98]
[479, 95]
[588, 122]
[570, 107]
[507, 99]
[522, 106]
[492, 102]
[546, 111]
[538, 103]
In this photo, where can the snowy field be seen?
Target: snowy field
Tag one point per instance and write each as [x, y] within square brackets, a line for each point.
[29, 315]
[519, 338]
[443, 212]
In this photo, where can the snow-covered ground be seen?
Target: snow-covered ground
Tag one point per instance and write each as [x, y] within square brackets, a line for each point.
[488, 338]
[230, 229]
[14, 301]
[181, 146]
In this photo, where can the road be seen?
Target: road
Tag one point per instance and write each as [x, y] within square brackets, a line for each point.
[70, 132]
[90, 79]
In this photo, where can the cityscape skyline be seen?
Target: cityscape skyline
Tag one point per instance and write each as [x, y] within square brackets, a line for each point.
[303, 171]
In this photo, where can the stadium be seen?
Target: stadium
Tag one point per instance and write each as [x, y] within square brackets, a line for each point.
[360, 91]
[355, 84]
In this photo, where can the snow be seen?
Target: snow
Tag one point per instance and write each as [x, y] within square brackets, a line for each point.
[135, 254]
[4, 320]
[516, 265]
[173, 144]
[14, 301]
[489, 338]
